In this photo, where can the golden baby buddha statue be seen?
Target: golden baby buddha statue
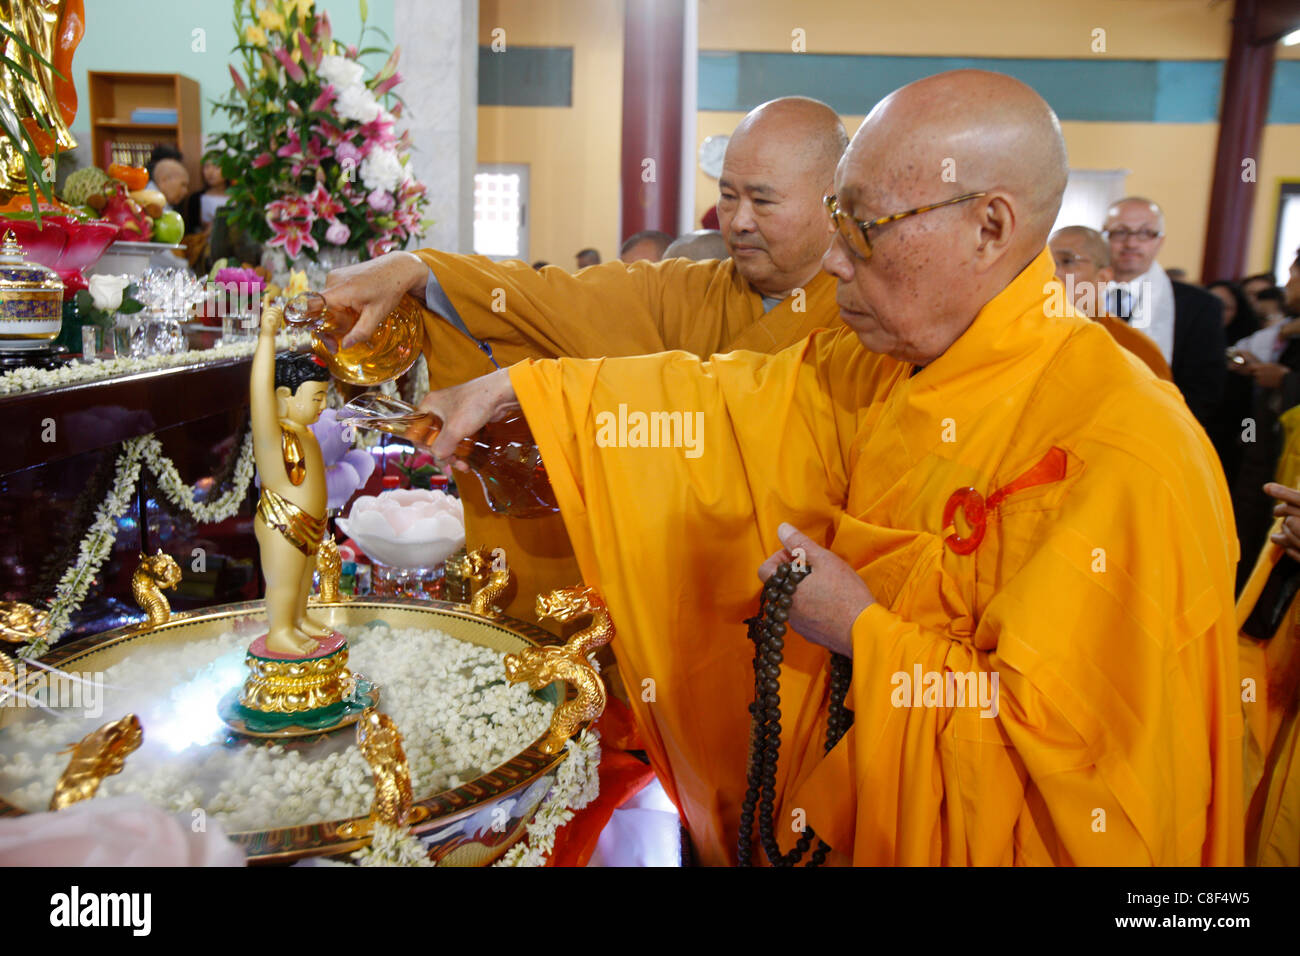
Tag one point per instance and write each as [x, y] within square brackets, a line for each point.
[299, 681]
[286, 398]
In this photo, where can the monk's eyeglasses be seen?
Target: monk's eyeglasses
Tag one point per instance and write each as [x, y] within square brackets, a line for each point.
[1121, 234]
[854, 231]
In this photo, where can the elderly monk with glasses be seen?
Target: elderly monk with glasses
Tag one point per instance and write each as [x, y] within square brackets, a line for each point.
[1032, 583]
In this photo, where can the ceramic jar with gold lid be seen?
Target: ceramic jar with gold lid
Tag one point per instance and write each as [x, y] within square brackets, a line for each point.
[31, 300]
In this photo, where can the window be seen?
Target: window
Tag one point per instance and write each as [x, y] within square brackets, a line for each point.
[1287, 240]
[1088, 194]
[500, 204]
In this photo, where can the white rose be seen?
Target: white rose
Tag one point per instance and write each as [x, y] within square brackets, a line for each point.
[382, 169]
[357, 103]
[340, 71]
[106, 291]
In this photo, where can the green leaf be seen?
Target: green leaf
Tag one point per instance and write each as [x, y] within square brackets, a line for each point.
[9, 34]
[130, 306]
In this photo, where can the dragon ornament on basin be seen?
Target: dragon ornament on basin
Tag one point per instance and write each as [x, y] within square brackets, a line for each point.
[381, 744]
[489, 566]
[540, 666]
[21, 623]
[156, 571]
[99, 754]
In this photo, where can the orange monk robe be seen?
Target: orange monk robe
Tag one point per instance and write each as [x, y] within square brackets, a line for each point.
[610, 309]
[1102, 599]
[1270, 671]
[1139, 343]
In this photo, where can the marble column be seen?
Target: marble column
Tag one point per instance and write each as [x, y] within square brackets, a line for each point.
[439, 66]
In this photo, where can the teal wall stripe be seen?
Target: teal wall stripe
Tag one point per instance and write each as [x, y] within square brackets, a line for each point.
[1098, 90]
[1284, 104]
[525, 76]
[1135, 91]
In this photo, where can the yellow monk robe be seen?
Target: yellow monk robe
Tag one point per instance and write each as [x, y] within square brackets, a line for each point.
[1270, 671]
[610, 309]
[1101, 597]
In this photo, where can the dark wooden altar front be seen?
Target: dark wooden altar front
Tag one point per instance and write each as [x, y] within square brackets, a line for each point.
[59, 450]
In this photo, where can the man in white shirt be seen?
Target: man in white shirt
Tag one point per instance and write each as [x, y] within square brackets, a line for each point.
[1185, 321]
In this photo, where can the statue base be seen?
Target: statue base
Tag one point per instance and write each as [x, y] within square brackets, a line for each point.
[286, 696]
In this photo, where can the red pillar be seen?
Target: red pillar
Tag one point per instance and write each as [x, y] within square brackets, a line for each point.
[653, 33]
[1243, 111]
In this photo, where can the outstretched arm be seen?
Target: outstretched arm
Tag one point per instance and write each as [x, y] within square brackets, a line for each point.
[610, 309]
[261, 390]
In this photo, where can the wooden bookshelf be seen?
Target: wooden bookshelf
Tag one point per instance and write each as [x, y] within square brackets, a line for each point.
[112, 98]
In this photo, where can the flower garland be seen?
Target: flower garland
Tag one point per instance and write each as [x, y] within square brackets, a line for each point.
[393, 846]
[576, 784]
[97, 545]
[32, 379]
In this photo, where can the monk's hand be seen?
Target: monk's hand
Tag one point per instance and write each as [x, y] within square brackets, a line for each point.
[1269, 374]
[466, 408]
[1288, 509]
[829, 600]
[374, 288]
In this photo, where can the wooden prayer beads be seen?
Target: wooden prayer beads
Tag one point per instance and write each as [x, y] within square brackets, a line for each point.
[767, 631]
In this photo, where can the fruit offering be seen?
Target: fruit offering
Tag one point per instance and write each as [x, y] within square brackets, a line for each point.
[118, 207]
[135, 177]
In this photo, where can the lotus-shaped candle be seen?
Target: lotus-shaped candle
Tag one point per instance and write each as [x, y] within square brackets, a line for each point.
[63, 244]
[406, 528]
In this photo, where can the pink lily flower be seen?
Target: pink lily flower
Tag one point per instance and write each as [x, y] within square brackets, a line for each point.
[292, 146]
[309, 53]
[322, 102]
[325, 205]
[293, 236]
[291, 69]
[379, 246]
[388, 84]
[322, 31]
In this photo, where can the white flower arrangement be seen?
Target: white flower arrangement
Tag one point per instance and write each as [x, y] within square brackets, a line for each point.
[97, 545]
[393, 846]
[576, 784]
[449, 698]
[33, 379]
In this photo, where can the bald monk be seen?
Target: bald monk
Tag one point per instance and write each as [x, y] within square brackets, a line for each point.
[698, 245]
[1270, 669]
[1082, 258]
[779, 164]
[648, 244]
[1088, 601]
